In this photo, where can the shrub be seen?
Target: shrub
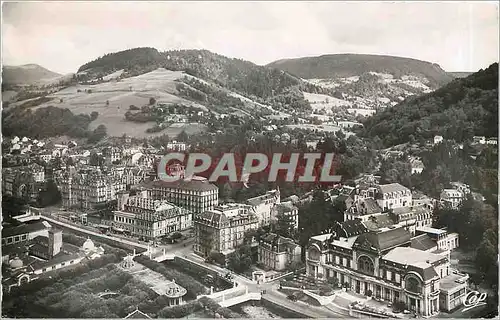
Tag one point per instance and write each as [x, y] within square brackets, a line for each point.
[368, 293]
[180, 311]
[94, 115]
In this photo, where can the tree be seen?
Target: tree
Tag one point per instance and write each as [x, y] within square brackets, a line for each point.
[98, 134]
[94, 115]
[95, 159]
[50, 195]
[284, 225]
[240, 260]
[183, 136]
[152, 101]
[176, 236]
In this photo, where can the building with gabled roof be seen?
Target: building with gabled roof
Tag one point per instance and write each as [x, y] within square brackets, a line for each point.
[393, 195]
[149, 218]
[222, 229]
[277, 253]
[389, 265]
[263, 205]
[196, 194]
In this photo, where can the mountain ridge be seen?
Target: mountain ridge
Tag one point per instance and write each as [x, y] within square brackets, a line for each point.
[349, 64]
[459, 110]
[26, 74]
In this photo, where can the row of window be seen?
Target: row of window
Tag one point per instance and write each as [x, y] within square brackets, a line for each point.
[15, 239]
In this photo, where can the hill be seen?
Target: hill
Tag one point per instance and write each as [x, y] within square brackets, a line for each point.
[364, 84]
[120, 87]
[26, 74]
[459, 110]
[350, 65]
[460, 74]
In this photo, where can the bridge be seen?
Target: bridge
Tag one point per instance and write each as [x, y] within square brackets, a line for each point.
[164, 257]
[253, 296]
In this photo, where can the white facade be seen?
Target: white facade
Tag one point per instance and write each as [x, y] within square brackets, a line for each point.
[393, 195]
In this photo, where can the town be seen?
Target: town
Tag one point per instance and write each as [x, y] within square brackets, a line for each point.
[383, 257]
[249, 160]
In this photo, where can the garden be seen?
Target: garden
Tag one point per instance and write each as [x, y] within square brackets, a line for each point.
[75, 294]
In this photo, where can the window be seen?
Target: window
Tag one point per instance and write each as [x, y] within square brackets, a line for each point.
[398, 278]
[413, 285]
[365, 265]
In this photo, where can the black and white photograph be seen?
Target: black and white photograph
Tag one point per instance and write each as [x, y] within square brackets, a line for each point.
[249, 159]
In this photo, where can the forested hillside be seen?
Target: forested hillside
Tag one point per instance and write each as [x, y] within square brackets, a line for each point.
[459, 110]
[348, 65]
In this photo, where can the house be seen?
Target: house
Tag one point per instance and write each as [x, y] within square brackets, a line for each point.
[288, 211]
[277, 253]
[451, 198]
[492, 141]
[196, 194]
[462, 187]
[24, 232]
[438, 139]
[392, 196]
[478, 140]
[264, 204]
[176, 146]
[222, 229]
[28, 260]
[148, 218]
[417, 166]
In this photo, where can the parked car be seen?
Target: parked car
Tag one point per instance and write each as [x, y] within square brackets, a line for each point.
[292, 297]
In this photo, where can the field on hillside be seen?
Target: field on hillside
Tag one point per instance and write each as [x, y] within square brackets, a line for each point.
[159, 84]
[322, 101]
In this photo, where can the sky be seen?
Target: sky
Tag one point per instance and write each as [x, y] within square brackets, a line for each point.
[61, 36]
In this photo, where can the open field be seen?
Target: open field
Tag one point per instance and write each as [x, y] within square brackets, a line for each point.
[159, 84]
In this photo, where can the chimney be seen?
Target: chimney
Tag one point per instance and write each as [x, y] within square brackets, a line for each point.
[55, 242]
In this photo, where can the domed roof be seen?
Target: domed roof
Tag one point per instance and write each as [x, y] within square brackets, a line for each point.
[16, 263]
[88, 245]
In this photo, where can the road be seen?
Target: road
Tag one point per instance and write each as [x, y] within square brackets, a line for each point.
[52, 214]
[184, 250]
[272, 294]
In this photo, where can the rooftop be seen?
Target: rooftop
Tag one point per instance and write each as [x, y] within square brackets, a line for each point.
[378, 222]
[193, 184]
[423, 242]
[346, 243]
[392, 187]
[450, 284]
[352, 228]
[411, 256]
[137, 314]
[431, 230]
[322, 237]
[384, 240]
[25, 228]
[267, 196]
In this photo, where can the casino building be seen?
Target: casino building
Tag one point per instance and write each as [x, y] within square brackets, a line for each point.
[389, 265]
